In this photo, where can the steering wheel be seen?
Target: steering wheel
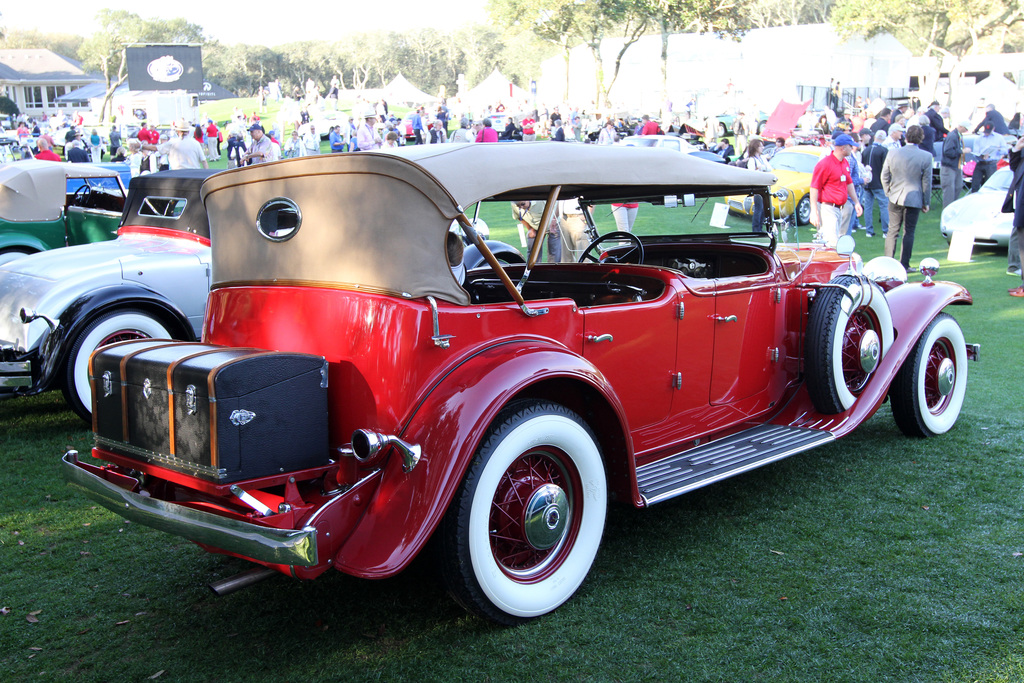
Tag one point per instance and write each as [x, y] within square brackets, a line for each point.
[635, 254]
[81, 196]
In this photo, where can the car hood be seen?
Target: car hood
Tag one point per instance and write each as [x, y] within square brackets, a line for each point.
[980, 210]
[792, 179]
[47, 282]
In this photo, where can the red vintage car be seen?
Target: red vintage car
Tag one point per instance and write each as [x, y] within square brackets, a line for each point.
[354, 399]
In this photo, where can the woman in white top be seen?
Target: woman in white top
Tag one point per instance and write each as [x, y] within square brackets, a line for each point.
[755, 160]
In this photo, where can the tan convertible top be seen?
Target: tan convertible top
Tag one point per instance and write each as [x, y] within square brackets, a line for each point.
[33, 190]
[378, 220]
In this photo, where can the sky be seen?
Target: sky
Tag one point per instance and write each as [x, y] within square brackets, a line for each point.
[236, 22]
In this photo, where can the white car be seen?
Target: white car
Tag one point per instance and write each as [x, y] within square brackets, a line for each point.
[981, 213]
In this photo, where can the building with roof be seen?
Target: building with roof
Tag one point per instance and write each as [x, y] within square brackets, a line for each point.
[35, 78]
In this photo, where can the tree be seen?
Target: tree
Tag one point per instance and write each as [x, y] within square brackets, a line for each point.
[8, 107]
[721, 17]
[64, 44]
[118, 29]
[951, 29]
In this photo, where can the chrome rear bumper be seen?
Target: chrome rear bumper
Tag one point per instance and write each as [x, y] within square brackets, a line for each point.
[260, 543]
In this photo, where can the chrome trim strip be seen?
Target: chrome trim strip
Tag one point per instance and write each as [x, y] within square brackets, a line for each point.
[146, 455]
[263, 544]
[15, 374]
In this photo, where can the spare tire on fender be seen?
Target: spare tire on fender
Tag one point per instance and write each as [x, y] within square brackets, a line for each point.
[848, 333]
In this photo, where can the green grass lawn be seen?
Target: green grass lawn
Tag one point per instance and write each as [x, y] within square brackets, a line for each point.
[876, 558]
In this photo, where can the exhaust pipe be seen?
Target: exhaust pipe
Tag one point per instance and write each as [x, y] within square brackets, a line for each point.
[367, 445]
[240, 581]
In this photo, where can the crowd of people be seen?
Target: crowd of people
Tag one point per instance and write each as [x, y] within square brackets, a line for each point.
[875, 159]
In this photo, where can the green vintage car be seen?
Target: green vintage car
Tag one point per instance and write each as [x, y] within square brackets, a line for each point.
[47, 204]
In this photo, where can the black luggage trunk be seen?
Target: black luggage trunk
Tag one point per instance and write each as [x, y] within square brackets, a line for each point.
[218, 413]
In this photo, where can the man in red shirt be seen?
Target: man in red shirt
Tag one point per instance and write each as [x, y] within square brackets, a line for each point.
[831, 185]
[529, 134]
[46, 152]
[649, 127]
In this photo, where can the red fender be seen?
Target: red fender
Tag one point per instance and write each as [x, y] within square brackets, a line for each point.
[913, 307]
[449, 424]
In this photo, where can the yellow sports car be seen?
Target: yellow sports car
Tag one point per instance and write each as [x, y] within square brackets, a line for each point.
[793, 167]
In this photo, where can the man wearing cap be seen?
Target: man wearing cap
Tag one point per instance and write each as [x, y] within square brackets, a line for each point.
[989, 148]
[261, 149]
[831, 185]
[367, 137]
[907, 181]
[210, 135]
[183, 150]
[950, 174]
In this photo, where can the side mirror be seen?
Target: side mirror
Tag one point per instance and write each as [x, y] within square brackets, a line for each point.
[845, 245]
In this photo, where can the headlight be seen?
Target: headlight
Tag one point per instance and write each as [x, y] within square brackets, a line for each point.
[886, 271]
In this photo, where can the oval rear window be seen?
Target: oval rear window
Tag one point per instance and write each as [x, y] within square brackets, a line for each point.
[279, 219]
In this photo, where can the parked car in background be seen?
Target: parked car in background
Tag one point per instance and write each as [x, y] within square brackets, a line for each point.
[981, 213]
[46, 204]
[353, 399]
[673, 142]
[793, 166]
[152, 281]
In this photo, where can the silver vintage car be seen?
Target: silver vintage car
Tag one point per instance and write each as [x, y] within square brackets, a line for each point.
[153, 280]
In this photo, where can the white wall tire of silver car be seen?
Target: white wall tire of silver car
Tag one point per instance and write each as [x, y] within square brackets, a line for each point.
[929, 389]
[115, 326]
[524, 528]
[837, 329]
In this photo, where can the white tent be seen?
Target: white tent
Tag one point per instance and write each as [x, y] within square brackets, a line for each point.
[995, 90]
[495, 89]
[401, 90]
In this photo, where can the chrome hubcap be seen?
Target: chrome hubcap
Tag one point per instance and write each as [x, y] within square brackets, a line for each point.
[946, 377]
[870, 348]
[546, 516]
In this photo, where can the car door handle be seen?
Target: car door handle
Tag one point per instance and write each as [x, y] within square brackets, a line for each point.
[725, 318]
[599, 338]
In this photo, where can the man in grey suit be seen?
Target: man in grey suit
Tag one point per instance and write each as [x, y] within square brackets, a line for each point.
[907, 181]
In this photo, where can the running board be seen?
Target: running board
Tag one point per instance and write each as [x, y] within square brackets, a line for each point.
[724, 458]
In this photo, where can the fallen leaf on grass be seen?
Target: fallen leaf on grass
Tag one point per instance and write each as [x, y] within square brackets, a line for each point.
[87, 524]
[775, 551]
[158, 674]
[924, 507]
[32, 619]
[5, 611]
[1015, 555]
[36, 649]
[783, 598]
[84, 553]
[122, 623]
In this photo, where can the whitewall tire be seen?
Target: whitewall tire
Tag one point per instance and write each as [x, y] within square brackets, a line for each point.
[524, 528]
[929, 388]
[113, 327]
